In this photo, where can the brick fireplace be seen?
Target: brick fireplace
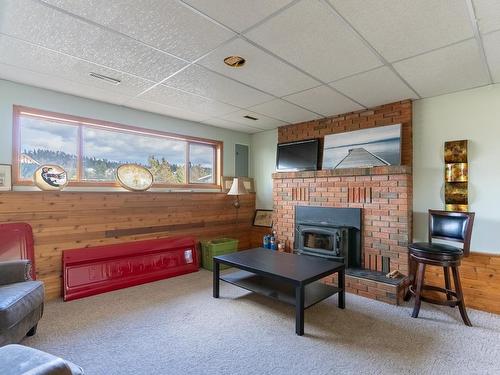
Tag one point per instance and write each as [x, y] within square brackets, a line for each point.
[384, 195]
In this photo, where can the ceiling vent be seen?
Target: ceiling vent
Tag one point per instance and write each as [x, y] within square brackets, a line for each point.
[251, 117]
[107, 79]
[234, 61]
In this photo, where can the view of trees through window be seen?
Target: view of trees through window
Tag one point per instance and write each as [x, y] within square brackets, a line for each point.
[47, 142]
[103, 150]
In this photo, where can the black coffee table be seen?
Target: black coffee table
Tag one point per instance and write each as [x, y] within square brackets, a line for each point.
[289, 278]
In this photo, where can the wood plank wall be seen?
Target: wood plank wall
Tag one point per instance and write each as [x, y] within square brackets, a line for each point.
[480, 276]
[66, 220]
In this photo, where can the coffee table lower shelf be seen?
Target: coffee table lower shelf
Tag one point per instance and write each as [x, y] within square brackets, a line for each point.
[313, 293]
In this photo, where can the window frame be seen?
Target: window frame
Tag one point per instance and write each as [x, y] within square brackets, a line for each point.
[82, 122]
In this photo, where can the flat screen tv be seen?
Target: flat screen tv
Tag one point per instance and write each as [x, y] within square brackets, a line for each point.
[297, 156]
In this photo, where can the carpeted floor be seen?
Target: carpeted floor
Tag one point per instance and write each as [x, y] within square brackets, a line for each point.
[174, 326]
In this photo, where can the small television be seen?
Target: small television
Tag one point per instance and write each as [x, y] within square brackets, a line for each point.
[297, 156]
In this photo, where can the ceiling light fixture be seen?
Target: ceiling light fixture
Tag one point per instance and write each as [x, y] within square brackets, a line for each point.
[107, 79]
[251, 117]
[234, 61]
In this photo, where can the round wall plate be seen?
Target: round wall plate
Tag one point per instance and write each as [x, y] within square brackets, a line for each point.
[134, 177]
[50, 177]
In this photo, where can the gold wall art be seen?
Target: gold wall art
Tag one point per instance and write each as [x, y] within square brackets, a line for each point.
[456, 176]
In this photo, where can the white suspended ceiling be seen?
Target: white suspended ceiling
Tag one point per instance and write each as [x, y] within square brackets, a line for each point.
[305, 59]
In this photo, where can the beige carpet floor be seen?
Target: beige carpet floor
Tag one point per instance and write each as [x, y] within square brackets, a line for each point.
[174, 326]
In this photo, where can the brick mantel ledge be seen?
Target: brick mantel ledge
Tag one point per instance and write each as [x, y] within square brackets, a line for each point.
[388, 170]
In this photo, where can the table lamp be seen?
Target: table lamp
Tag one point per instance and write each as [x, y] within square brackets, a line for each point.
[237, 188]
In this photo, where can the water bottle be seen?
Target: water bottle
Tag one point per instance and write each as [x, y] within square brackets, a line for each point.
[272, 243]
[265, 241]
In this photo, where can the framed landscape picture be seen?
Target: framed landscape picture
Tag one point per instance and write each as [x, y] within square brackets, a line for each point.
[5, 177]
[363, 148]
[263, 218]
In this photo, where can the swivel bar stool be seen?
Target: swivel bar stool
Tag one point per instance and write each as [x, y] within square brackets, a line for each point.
[449, 226]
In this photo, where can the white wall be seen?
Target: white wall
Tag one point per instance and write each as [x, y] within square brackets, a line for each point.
[12, 93]
[263, 163]
[473, 115]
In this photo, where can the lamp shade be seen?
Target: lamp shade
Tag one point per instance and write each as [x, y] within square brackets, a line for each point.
[237, 187]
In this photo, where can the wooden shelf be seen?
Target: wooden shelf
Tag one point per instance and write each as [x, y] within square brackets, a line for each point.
[345, 172]
[266, 286]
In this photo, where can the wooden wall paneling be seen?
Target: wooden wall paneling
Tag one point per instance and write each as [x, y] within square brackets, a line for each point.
[65, 220]
[480, 276]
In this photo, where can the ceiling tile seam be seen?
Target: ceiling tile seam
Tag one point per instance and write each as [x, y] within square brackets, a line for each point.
[322, 83]
[109, 29]
[490, 32]
[357, 74]
[274, 97]
[189, 63]
[271, 16]
[236, 129]
[240, 35]
[64, 79]
[205, 16]
[76, 57]
[455, 91]
[238, 108]
[262, 114]
[232, 123]
[382, 59]
[166, 106]
[220, 24]
[432, 50]
[161, 82]
[477, 35]
[304, 108]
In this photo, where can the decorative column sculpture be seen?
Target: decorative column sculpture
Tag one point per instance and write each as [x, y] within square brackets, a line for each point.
[456, 176]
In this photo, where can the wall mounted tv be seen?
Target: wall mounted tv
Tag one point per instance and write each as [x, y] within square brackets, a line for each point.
[297, 156]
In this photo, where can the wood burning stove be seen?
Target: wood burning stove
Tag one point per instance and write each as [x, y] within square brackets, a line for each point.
[332, 233]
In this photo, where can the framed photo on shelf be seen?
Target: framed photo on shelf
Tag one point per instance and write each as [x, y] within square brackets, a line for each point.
[5, 177]
[263, 218]
[228, 180]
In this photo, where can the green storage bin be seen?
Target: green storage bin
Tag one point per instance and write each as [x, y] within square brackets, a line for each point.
[218, 246]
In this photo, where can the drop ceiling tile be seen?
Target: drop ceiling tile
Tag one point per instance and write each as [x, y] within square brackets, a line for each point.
[39, 24]
[446, 70]
[50, 82]
[238, 14]
[403, 28]
[164, 110]
[188, 102]
[261, 69]
[232, 125]
[200, 81]
[492, 49]
[164, 24]
[41, 60]
[323, 100]
[375, 87]
[284, 111]
[311, 37]
[262, 122]
[487, 15]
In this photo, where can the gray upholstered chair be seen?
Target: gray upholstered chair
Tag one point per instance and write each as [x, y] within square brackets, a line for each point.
[21, 301]
[21, 360]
